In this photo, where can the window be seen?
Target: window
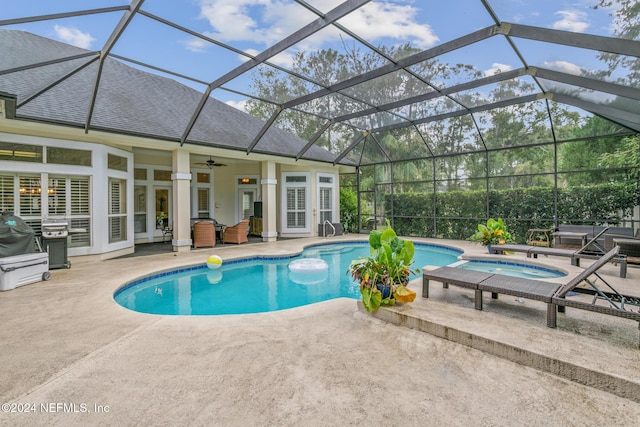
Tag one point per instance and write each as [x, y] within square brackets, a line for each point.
[296, 200]
[203, 203]
[247, 181]
[20, 152]
[117, 163]
[201, 195]
[296, 207]
[140, 174]
[67, 196]
[7, 200]
[79, 202]
[203, 178]
[117, 215]
[68, 156]
[29, 193]
[57, 195]
[325, 198]
[161, 175]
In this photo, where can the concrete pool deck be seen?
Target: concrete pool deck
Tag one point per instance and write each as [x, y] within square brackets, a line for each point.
[72, 356]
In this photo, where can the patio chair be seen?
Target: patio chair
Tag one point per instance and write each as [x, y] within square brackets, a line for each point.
[629, 245]
[591, 250]
[204, 234]
[555, 295]
[237, 233]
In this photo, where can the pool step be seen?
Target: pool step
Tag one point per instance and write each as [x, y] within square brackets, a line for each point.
[560, 361]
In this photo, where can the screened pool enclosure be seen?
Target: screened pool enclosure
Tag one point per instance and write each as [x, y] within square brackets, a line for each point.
[443, 114]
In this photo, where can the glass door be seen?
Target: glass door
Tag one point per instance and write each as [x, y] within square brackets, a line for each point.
[246, 198]
[162, 210]
[140, 209]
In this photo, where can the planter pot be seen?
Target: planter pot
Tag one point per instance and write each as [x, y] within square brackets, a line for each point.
[489, 249]
[385, 289]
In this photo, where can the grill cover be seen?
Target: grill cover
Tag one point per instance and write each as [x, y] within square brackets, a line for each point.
[16, 237]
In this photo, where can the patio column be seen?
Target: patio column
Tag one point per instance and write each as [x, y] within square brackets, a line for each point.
[269, 182]
[181, 178]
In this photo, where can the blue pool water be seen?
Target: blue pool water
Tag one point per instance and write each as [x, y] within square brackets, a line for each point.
[259, 284]
[510, 269]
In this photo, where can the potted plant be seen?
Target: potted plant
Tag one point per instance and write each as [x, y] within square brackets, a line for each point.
[491, 233]
[161, 220]
[383, 276]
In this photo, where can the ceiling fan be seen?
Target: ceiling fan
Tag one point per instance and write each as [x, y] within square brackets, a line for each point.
[210, 163]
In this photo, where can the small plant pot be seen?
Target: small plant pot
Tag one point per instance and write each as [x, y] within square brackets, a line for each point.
[385, 289]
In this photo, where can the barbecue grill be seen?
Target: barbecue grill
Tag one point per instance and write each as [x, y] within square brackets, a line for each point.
[54, 241]
[19, 263]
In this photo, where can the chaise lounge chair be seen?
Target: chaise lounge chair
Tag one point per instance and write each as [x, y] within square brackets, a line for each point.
[555, 295]
[591, 250]
[629, 245]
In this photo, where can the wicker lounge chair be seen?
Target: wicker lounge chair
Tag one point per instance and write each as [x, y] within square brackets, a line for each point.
[555, 295]
[237, 233]
[593, 249]
[204, 234]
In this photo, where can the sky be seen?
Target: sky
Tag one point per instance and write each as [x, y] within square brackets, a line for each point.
[251, 26]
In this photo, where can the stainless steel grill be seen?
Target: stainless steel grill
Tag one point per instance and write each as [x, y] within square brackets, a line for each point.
[54, 240]
[54, 228]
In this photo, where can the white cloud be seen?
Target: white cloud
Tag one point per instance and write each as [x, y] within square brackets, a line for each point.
[259, 21]
[564, 66]
[377, 20]
[268, 21]
[196, 45]
[237, 104]
[283, 59]
[252, 52]
[497, 68]
[74, 36]
[572, 20]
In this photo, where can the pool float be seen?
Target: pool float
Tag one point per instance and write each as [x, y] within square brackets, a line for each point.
[308, 271]
[308, 265]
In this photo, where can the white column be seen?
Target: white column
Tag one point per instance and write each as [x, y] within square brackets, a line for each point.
[181, 178]
[269, 208]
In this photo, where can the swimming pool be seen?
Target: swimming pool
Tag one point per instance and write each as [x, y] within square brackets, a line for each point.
[509, 268]
[258, 284]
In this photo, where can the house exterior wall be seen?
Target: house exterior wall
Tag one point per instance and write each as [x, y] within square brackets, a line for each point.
[151, 155]
[99, 176]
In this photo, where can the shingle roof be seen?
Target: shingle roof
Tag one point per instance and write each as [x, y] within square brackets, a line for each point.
[128, 101]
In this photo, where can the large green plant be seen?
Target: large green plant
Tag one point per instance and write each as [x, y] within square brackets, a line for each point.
[389, 265]
[494, 232]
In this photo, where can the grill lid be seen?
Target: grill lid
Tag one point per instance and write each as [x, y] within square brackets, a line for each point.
[16, 236]
[54, 223]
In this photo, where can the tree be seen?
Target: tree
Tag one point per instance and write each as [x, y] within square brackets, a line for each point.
[626, 14]
[627, 154]
[584, 156]
[349, 209]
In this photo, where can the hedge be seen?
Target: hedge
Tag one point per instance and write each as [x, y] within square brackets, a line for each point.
[459, 212]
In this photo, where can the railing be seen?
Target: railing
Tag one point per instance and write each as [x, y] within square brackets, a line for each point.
[324, 228]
